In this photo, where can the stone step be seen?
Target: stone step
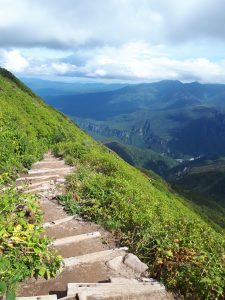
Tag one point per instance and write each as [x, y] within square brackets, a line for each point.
[94, 257]
[76, 238]
[119, 290]
[57, 222]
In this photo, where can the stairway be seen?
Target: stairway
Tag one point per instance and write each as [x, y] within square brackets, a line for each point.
[93, 267]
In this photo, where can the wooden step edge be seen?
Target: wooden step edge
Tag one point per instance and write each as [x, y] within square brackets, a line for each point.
[26, 178]
[93, 257]
[48, 165]
[38, 171]
[76, 238]
[34, 185]
[44, 297]
[140, 295]
[130, 283]
[110, 289]
[58, 222]
[49, 162]
[40, 189]
[50, 183]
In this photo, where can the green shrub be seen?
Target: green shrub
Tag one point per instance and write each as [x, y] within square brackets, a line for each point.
[70, 204]
[24, 251]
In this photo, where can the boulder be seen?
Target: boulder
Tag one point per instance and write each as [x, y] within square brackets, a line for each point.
[115, 263]
[134, 263]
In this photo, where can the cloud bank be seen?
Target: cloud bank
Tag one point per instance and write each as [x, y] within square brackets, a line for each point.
[124, 39]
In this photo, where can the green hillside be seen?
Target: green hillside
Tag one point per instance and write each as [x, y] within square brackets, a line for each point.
[181, 249]
[203, 182]
[143, 158]
[159, 124]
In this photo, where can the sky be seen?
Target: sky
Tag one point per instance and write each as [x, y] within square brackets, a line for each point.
[120, 40]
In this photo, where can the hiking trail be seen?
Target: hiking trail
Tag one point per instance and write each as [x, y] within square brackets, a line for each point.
[93, 267]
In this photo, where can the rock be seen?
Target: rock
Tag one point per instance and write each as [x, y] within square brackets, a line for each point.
[61, 180]
[134, 263]
[78, 218]
[115, 263]
[145, 279]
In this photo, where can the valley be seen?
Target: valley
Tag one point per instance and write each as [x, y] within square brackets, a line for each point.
[175, 129]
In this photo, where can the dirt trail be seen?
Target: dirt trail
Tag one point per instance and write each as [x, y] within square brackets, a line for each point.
[89, 252]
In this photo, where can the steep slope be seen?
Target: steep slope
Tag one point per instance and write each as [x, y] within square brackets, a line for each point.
[180, 248]
[89, 252]
[28, 125]
[158, 126]
[200, 180]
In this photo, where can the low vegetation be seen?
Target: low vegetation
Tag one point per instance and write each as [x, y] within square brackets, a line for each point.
[24, 251]
[28, 128]
[181, 249]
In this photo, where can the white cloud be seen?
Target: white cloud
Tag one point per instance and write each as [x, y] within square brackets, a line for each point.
[141, 40]
[132, 61]
[14, 61]
[63, 68]
[139, 61]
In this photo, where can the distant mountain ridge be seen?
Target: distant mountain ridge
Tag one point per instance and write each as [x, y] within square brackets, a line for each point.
[155, 96]
[179, 119]
[49, 87]
[162, 116]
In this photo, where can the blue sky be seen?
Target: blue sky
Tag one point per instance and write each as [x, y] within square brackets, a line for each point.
[135, 40]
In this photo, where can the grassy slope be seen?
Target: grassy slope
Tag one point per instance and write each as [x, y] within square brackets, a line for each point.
[147, 159]
[28, 126]
[180, 248]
